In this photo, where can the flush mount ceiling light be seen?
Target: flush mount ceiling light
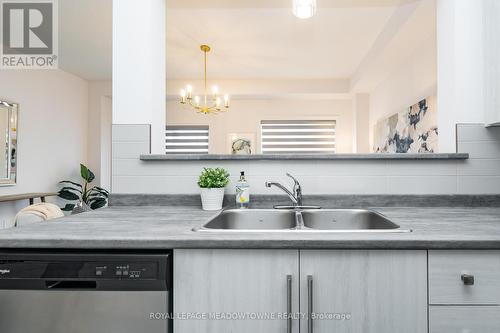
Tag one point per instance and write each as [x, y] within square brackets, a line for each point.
[304, 9]
[211, 104]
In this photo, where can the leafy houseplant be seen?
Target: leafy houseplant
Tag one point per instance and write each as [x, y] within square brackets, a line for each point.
[212, 182]
[94, 197]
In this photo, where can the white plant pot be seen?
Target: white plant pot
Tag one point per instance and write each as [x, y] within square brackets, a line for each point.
[212, 198]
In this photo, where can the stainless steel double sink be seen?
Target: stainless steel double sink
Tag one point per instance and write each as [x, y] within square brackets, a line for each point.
[318, 220]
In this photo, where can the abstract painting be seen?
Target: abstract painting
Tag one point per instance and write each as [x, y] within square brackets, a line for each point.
[412, 131]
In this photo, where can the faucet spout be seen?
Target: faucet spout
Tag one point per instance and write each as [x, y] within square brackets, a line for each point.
[284, 189]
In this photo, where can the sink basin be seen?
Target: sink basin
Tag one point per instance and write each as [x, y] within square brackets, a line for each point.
[347, 219]
[252, 219]
[318, 220]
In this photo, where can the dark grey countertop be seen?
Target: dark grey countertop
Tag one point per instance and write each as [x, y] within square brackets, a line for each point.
[155, 227]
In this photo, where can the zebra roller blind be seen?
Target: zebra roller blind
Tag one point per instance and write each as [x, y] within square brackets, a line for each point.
[186, 140]
[297, 136]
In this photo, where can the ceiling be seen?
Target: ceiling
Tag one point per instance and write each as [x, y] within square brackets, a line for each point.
[267, 43]
[85, 38]
[281, 3]
[251, 39]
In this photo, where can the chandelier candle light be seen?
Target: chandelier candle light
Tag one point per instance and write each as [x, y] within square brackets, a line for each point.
[304, 9]
[212, 104]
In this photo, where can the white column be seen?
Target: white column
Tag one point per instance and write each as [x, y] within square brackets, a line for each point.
[492, 61]
[463, 74]
[139, 74]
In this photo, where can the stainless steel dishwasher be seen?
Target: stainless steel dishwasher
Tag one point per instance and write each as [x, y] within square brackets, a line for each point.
[85, 292]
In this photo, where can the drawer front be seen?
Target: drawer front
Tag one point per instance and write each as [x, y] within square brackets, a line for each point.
[459, 319]
[481, 277]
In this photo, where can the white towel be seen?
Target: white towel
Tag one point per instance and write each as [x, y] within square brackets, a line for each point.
[43, 211]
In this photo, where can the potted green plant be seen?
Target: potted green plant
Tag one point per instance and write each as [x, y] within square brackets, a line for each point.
[212, 183]
[86, 197]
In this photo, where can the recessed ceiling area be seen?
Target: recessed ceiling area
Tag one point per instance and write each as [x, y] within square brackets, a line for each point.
[270, 43]
[361, 41]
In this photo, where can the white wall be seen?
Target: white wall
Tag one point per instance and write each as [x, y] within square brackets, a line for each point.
[106, 142]
[99, 130]
[275, 88]
[414, 80]
[245, 115]
[52, 130]
[361, 123]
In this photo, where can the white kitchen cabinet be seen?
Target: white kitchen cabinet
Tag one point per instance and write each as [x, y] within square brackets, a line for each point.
[242, 282]
[364, 291]
[447, 270]
[464, 319]
[379, 291]
[464, 291]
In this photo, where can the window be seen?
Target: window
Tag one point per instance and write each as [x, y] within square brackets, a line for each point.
[186, 140]
[297, 136]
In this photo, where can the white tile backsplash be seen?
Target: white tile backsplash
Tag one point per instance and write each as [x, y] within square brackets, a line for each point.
[155, 184]
[421, 168]
[422, 185]
[130, 150]
[479, 185]
[478, 175]
[131, 167]
[327, 168]
[476, 132]
[130, 133]
[480, 149]
[481, 173]
[479, 167]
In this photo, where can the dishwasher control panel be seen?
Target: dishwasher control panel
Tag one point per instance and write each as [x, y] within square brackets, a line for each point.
[85, 271]
[79, 268]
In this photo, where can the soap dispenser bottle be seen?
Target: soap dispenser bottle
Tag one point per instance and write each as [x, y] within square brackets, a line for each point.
[242, 192]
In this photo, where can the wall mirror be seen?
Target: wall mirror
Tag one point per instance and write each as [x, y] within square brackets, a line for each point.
[8, 141]
[247, 77]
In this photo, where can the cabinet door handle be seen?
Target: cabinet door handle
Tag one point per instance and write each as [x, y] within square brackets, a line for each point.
[309, 303]
[289, 303]
[468, 279]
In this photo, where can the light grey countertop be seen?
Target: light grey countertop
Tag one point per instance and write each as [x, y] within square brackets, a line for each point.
[263, 157]
[156, 227]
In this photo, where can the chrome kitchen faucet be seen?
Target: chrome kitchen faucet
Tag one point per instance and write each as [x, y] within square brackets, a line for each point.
[295, 195]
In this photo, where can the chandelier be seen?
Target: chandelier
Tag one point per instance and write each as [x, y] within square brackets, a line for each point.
[207, 104]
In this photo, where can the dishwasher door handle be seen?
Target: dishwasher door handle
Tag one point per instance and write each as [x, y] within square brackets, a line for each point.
[70, 284]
